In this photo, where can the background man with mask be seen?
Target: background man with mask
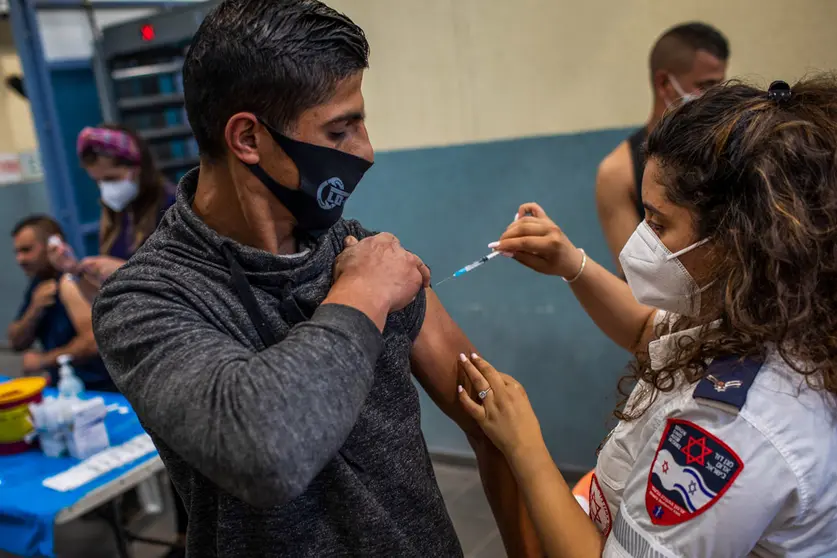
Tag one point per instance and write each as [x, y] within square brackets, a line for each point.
[267, 344]
[53, 312]
[685, 60]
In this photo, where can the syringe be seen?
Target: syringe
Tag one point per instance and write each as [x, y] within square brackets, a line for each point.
[479, 262]
[471, 266]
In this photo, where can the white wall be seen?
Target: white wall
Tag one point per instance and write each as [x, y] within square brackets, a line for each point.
[458, 71]
[17, 133]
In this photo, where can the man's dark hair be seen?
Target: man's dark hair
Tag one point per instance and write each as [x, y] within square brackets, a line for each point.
[45, 226]
[274, 58]
[675, 50]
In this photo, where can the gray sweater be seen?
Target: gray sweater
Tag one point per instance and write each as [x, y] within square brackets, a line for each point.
[311, 447]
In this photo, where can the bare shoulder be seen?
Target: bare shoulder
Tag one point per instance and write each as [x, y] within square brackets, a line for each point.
[68, 289]
[616, 170]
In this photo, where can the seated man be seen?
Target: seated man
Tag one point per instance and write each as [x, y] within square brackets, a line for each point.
[53, 312]
[266, 344]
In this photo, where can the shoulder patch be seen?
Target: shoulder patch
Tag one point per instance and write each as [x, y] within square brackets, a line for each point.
[691, 471]
[599, 509]
[727, 382]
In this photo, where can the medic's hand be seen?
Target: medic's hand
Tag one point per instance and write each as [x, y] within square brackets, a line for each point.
[538, 243]
[505, 415]
[60, 256]
[98, 268]
[380, 267]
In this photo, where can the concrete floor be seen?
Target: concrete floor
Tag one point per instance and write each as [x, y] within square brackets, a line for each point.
[460, 486]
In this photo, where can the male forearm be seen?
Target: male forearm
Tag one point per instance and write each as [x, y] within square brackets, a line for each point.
[261, 425]
[357, 295]
[506, 501]
[21, 333]
[80, 348]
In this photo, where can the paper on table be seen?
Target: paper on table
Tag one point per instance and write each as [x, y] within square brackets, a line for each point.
[101, 463]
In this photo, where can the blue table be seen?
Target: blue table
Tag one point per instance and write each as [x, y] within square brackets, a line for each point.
[29, 510]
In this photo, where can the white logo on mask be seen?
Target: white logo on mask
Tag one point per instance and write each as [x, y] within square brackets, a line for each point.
[331, 194]
[655, 275]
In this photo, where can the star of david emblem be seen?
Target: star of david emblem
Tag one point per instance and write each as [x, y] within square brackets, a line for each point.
[597, 511]
[703, 451]
[691, 471]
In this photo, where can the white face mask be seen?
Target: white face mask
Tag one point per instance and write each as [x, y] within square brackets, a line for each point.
[655, 275]
[684, 97]
[117, 194]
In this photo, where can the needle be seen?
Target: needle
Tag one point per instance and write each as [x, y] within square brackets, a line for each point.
[472, 266]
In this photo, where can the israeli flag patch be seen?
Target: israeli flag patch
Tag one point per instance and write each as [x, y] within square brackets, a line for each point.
[690, 473]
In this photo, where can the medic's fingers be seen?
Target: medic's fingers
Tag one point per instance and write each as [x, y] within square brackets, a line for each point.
[474, 410]
[495, 380]
[532, 209]
[536, 245]
[479, 381]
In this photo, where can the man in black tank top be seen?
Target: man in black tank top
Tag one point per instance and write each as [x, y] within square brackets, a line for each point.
[685, 60]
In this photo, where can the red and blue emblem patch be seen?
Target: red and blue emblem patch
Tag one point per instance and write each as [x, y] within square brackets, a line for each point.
[599, 509]
[691, 471]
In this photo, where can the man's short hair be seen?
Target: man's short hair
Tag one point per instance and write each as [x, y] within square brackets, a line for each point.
[44, 225]
[675, 50]
[274, 58]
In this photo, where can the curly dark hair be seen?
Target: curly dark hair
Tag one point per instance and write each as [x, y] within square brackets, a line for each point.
[760, 177]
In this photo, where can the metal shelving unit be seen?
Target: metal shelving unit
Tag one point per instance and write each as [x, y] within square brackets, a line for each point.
[138, 71]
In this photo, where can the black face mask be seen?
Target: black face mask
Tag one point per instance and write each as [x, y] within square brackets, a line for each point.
[326, 179]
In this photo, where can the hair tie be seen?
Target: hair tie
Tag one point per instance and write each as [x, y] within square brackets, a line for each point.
[779, 92]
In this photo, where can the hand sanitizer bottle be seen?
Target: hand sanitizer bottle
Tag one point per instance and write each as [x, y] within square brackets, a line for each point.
[69, 385]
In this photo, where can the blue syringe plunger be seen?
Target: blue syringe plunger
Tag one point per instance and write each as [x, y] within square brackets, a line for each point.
[476, 264]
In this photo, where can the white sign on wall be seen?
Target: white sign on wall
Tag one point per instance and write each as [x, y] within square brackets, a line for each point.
[10, 171]
[30, 165]
[20, 167]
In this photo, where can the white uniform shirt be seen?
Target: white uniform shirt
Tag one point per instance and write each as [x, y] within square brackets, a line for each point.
[723, 482]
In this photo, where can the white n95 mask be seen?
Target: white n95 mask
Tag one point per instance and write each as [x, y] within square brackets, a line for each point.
[117, 194]
[684, 97]
[655, 275]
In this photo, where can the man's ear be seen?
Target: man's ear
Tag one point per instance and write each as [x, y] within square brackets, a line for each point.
[241, 137]
[661, 85]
